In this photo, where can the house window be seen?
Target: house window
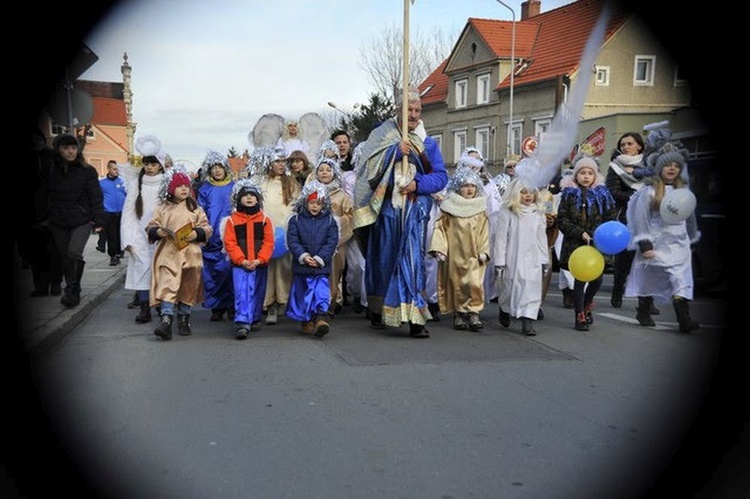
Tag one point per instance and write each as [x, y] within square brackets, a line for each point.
[602, 76]
[439, 139]
[482, 140]
[514, 138]
[459, 144]
[483, 89]
[460, 90]
[643, 70]
[541, 126]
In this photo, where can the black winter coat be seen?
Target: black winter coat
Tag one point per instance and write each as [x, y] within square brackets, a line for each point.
[75, 196]
[579, 211]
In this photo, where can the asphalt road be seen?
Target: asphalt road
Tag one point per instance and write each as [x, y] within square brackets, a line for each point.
[375, 414]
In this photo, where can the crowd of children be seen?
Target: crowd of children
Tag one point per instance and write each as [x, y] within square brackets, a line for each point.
[276, 241]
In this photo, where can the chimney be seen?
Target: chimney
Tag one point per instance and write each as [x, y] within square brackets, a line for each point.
[530, 8]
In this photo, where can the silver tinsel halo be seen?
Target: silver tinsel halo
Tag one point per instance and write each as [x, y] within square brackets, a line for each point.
[167, 178]
[260, 160]
[335, 166]
[328, 145]
[466, 175]
[307, 190]
[241, 187]
[215, 158]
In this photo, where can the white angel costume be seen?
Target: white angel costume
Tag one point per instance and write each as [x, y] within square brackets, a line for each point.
[670, 272]
[132, 228]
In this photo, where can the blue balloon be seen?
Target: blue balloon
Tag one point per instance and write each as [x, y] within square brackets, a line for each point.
[611, 237]
[279, 247]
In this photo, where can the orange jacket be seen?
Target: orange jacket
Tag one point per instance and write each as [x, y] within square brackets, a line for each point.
[249, 237]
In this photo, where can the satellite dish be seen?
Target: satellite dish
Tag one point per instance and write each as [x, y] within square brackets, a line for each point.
[77, 112]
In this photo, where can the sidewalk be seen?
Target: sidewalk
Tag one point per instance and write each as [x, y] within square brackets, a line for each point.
[44, 321]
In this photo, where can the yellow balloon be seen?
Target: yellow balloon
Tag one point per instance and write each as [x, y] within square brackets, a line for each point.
[586, 263]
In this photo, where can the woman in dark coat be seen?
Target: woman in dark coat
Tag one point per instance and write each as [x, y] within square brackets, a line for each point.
[76, 208]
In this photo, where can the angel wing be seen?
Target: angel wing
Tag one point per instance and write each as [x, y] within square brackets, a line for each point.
[266, 131]
[555, 145]
[314, 131]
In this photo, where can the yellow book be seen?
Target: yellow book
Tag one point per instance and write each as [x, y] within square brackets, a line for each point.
[179, 237]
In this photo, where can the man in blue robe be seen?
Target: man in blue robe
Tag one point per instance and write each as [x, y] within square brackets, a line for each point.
[392, 206]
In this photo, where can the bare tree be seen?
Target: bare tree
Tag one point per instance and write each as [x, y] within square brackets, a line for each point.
[382, 58]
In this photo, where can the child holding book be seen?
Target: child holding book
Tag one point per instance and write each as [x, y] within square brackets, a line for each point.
[249, 242]
[312, 236]
[179, 228]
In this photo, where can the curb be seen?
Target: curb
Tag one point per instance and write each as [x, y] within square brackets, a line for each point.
[43, 338]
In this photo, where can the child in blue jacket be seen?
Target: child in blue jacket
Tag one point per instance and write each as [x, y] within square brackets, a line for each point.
[312, 236]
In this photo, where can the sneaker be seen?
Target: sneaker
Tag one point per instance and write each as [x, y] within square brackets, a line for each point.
[459, 322]
[581, 323]
[113, 262]
[307, 327]
[241, 332]
[101, 249]
[255, 326]
[475, 323]
[217, 315]
[588, 312]
[272, 317]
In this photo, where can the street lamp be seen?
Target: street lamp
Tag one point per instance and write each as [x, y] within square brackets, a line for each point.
[345, 113]
[512, 71]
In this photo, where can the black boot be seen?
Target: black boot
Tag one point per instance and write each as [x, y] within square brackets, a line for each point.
[135, 302]
[164, 329]
[643, 311]
[504, 318]
[183, 325]
[567, 294]
[73, 272]
[145, 314]
[682, 310]
[526, 327]
[618, 289]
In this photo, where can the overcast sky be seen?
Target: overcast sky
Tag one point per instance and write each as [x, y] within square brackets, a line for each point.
[204, 72]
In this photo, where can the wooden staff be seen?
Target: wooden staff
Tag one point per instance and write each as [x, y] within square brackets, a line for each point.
[405, 99]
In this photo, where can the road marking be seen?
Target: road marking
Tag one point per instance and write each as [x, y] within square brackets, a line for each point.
[660, 325]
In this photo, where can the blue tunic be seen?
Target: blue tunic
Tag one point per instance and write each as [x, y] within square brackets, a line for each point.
[218, 290]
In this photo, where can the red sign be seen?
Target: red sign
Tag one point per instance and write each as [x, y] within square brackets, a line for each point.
[528, 146]
[595, 141]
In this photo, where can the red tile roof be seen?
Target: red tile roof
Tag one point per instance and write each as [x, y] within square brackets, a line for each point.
[550, 43]
[109, 111]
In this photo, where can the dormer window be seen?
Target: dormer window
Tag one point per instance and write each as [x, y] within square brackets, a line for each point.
[461, 91]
